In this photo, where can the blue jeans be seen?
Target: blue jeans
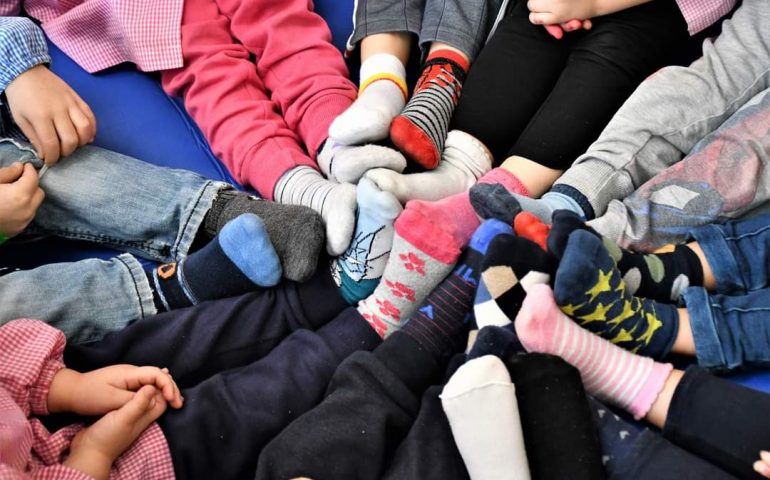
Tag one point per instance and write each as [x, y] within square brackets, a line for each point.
[732, 328]
[107, 198]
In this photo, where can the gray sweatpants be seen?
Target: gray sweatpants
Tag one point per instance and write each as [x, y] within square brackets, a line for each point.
[462, 24]
[672, 111]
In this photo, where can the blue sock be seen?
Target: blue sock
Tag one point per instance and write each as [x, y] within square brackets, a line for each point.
[238, 260]
[494, 201]
[589, 288]
[359, 269]
[616, 435]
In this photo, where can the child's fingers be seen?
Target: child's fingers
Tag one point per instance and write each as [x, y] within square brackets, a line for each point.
[11, 173]
[588, 24]
[761, 468]
[572, 25]
[765, 456]
[29, 130]
[555, 31]
[28, 181]
[162, 380]
[68, 135]
[85, 129]
[543, 18]
[142, 402]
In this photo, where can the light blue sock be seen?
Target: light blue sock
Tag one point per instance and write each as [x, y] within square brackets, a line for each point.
[359, 269]
[544, 207]
[245, 241]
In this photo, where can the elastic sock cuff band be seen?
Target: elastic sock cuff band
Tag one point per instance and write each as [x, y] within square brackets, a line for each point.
[385, 76]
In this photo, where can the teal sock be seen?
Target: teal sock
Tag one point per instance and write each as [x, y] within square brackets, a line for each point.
[359, 269]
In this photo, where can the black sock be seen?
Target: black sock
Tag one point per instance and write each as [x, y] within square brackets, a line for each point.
[655, 276]
[556, 421]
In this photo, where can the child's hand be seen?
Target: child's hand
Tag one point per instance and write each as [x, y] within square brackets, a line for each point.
[107, 389]
[762, 466]
[20, 197]
[95, 449]
[555, 12]
[557, 31]
[50, 113]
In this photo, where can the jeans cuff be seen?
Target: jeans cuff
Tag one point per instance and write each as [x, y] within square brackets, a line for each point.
[720, 258]
[194, 222]
[141, 284]
[708, 348]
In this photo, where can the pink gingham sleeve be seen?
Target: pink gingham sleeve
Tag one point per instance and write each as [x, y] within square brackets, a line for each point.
[54, 472]
[10, 8]
[701, 14]
[30, 355]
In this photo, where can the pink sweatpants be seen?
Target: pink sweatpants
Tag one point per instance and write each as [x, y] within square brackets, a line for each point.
[263, 81]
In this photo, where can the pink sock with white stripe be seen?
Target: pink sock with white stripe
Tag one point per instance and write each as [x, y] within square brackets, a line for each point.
[613, 375]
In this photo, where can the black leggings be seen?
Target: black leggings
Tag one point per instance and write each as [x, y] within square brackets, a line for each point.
[725, 423]
[547, 100]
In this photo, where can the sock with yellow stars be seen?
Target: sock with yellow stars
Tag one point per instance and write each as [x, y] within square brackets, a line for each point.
[589, 288]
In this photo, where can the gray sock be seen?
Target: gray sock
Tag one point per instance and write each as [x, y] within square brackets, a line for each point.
[494, 201]
[296, 232]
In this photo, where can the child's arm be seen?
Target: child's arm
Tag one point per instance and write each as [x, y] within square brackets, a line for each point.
[549, 12]
[33, 379]
[46, 109]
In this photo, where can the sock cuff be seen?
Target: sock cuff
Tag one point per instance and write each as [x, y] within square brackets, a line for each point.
[400, 83]
[577, 196]
[694, 268]
[650, 390]
[507, 179]
[441, 246]
[450, 55]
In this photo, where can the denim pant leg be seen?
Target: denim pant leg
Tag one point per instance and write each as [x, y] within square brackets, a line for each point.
[738, 252]
[730, 332]
[384, 16]
[86, 299]
[462, 24]
[108, 198]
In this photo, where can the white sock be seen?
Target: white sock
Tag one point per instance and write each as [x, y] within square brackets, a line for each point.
[341, 163]
[381, 99]
[480, 403]
[336, 202]
[463, 161]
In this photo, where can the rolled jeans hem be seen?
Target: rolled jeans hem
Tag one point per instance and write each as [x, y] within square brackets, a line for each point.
[142, 285]
[720, 259]
[204, 201]
[708, 348]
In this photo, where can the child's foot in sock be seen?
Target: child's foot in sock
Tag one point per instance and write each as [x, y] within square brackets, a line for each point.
[555, 417]
[463, 162]
[360, 268]
[510, 267]
[589, 288]
[480, 404]
[238, 260]
[296, 232]
[610, 373]
[336, 202]
[412, 273]
[655, 276]
[381, 97]
[341, 163]
[420, 131]
[492, 203]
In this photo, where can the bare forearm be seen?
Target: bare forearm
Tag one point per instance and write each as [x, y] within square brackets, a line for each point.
[605, 7]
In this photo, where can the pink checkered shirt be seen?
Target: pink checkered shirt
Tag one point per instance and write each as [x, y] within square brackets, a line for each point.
[98, 34]
[30, 356]
[701, 14]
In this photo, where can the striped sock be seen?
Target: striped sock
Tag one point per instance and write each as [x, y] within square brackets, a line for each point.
[421, 129]
[610, 373]
[336, 202]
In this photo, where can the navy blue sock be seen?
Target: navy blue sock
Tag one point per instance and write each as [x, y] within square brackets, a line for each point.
[238, 260]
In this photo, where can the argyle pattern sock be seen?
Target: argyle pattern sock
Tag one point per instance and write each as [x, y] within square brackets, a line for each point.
[589, 288]
[655, 276]
[421, 129]
[613, 375]
[238, 260]
[510, 267]
[296, 232]
[359, 269]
